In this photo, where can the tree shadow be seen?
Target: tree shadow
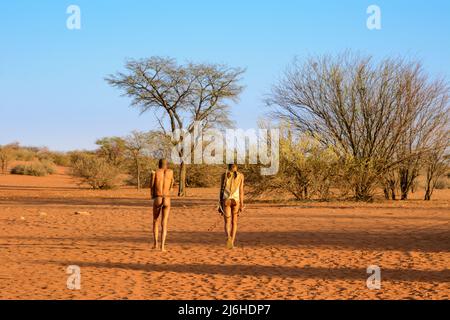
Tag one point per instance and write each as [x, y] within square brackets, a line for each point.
[38, 188]
[424, 241]
[102, 201]
[274, 271]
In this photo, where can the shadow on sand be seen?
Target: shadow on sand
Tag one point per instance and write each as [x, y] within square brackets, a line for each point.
[425, 241]
[274, 271]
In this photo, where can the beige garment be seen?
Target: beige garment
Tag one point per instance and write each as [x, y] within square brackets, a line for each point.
[232, 187]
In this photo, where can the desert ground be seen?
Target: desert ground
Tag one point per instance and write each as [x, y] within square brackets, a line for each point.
[302, 250]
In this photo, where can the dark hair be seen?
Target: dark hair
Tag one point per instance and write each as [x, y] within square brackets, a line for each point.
[231, 165]
[161, 163]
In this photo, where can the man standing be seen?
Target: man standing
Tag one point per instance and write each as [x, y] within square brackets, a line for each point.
[231, 201]
[160, 187]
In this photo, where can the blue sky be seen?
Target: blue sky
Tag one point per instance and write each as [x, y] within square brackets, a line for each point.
[52, 88]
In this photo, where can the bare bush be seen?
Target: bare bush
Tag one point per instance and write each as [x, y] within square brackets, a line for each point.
[365, 112]
[437, 165]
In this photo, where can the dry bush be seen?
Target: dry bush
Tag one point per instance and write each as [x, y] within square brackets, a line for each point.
[442, 184]
[437, 165]
[6, 155]
[112, 149]
[204, 176]
[25, 154]
[95, 171]
[61, 159]
[307, 170]
[37, 169]
[146, 166]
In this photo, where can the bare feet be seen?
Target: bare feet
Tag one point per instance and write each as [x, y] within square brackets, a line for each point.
[230, 243]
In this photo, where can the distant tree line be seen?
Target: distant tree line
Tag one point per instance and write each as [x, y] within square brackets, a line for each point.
[350, 128]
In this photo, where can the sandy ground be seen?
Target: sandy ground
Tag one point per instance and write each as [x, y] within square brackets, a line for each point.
[302, 251]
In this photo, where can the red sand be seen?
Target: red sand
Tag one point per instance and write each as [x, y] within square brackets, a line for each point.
[306, 251]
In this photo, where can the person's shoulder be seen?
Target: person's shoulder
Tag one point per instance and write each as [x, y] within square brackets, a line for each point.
[240, 174]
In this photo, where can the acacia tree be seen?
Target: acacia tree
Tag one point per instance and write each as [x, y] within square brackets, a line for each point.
[180, 95]
[356, 107]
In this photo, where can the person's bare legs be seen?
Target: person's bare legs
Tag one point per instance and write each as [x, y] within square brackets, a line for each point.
[157, 203]
[228, 222]
[165, 222]
[234, 224]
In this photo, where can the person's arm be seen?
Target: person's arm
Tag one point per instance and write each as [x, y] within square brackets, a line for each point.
[241, 194]
[152, 183]
[221, 187]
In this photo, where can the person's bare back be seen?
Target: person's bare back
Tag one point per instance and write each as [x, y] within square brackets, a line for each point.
[162, 183]
[161, 187]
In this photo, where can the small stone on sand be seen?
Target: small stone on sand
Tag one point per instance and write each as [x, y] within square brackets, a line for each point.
[82, 213]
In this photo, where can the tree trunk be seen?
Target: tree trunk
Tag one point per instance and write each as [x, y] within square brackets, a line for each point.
[389, 190]
[182, 182]
[407, 179]
[404, 184]
[428, 189]
[138, 172]
[386, 193]
[394, 197]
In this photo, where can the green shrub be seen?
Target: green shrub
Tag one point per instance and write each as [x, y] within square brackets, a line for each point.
[95, 171]
[37, 169]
